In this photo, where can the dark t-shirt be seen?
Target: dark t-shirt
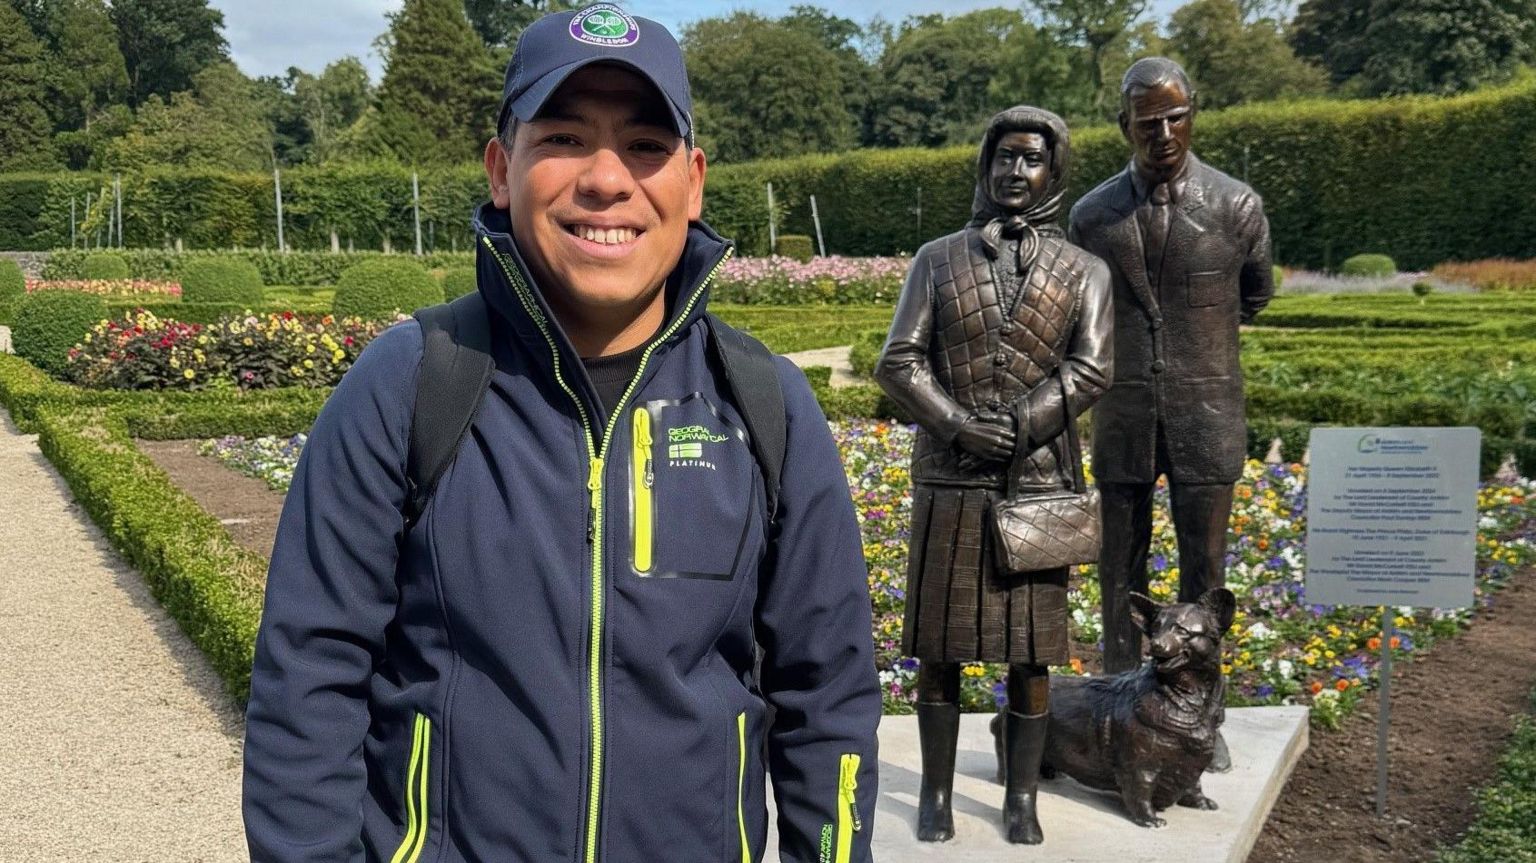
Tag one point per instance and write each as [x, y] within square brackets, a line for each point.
[611, 374]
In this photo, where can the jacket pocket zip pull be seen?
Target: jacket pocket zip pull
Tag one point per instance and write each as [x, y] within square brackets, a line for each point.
[644, 480]
[848, 822]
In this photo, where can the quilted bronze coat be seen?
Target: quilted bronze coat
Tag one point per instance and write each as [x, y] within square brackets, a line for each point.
[958, 345]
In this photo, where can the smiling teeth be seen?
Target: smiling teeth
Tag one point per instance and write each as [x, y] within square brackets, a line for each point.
[610, 236]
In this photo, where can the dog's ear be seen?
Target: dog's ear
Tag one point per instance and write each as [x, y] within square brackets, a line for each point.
[1144, 612]
[1221, 604]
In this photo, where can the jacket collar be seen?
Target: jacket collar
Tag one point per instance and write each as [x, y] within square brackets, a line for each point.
[510, 289]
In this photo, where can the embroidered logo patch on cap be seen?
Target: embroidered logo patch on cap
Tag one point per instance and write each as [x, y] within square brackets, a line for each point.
[606, 25]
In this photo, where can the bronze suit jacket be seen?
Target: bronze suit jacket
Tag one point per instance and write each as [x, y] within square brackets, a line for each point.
[1176, 330]
[953, 349]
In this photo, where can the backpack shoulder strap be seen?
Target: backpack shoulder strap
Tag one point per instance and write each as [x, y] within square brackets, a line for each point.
[456, 368]
[754, 380]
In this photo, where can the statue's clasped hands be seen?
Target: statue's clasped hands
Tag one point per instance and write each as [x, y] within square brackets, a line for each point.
[986, 436]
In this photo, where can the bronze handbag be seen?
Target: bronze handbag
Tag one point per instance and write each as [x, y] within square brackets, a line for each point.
[1052, 529]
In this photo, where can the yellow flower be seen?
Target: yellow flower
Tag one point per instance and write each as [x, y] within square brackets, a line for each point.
[189, 374]
[247, 341]
[309, 364]
[338, 355]
[175, 363]
[309, 348]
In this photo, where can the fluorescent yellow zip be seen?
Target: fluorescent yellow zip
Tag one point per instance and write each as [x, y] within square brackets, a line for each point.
[847, 807]
[595, 486]
[741, 786]
[416, 793]
[643, 481]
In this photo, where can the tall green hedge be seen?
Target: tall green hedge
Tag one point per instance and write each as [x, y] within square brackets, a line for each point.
[276, 268]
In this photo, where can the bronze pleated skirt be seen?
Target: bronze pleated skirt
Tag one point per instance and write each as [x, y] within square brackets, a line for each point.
[959, 607]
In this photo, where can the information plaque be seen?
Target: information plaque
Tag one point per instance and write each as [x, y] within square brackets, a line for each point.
[1392, 516]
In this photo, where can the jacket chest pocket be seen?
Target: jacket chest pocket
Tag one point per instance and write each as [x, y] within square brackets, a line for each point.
[1210, 288]
[692, 487]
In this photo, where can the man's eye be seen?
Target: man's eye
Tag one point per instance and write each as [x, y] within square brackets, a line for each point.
[561, 140]
[650, 147]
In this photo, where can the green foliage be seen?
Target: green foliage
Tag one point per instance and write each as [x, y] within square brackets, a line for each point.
[222, 280]
[191, 313]
[1505, 829]
[437, 102]
[802, 328]
[220, 123]
[865, 352]
[26, 133]
[932, 85]
[86, 73]
[458, 281]
[1279, 275]
[1233, 61]
[49, 323]
[165, 43]
[1422, 289]
[734, 62]
[13, 283]
[292, 268]
[375, 289]
[500, 22]
[1368, 265]
[103, 265]
[796, 246]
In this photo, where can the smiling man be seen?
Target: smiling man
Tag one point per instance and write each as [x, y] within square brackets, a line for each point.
[629, 595]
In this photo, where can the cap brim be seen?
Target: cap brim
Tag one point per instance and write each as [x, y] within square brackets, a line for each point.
[527, 106]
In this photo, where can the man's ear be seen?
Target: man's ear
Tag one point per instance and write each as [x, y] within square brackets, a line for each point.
[1144, 612]
[696, 169]
[496, 173]
[1221, 604]
[1125, 126]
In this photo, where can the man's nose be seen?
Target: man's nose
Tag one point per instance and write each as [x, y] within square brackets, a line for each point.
[1164, 129]
[606, 177]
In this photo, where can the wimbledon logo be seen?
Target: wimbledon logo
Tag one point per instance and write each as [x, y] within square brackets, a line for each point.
[606, 25]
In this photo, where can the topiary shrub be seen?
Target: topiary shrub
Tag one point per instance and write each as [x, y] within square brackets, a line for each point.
[797, 246]
[376, 289]
[866, 352]
[1369, 266]
[458, 281]
[13, 286]
[221, 280]
[49, 323]
[104, 265]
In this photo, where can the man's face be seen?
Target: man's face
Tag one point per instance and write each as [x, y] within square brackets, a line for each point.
[1020, 169]
[1158, 126]
[600, 190]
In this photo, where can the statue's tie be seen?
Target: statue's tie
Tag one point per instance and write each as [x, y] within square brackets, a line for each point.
[1157, 230]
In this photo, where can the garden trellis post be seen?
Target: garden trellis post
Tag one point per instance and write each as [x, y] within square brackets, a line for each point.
[1384, 714]
[816, 219]
[277, 190]
[773, 232]
[71, 221]
[416, 208]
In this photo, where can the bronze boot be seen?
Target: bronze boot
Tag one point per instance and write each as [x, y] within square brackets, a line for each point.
[1025, 745]
[938, 733]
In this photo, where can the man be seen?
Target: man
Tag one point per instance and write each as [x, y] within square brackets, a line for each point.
[1188, 247]
[1000, 340]
[556, 661]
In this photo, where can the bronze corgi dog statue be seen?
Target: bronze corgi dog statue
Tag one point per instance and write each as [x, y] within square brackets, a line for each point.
[1148, 734]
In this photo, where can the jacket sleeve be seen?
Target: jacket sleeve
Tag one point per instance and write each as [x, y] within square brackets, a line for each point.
[1257, 279]
[818, 669]
[1085, 373]
[330, 594]
[904, 370]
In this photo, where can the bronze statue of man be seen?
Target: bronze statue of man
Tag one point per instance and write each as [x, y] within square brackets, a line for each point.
[1001, 338]
[1188, 247]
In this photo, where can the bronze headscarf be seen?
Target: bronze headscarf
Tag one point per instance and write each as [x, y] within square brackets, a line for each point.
[996, 222]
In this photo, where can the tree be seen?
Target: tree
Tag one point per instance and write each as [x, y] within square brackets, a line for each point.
[1445, 46]
[26, 134]
[500, 22]
[1036, 67]
[438, 99]
[847, 42]
[1233, 61]
[762, 89]
[220, 123]
[86, 72]
[331, 103]
[165, 43]
[933, 85]
[1096, 25]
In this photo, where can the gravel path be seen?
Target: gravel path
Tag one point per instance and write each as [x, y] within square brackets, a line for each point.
[836, 358]
[117, 740]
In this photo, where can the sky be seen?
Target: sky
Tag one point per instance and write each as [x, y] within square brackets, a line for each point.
[266, 38]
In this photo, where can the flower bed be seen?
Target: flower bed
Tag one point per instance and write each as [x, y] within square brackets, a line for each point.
[145, 288]
[1281, 649]
[834, 279]
[142, 351]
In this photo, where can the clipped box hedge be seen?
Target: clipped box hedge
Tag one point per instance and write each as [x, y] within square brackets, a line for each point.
[221, 280]
[276, 268]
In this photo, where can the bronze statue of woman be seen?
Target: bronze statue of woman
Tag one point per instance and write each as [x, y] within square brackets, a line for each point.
[1001, 338]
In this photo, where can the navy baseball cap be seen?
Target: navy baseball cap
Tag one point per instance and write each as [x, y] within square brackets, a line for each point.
[557, 45]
